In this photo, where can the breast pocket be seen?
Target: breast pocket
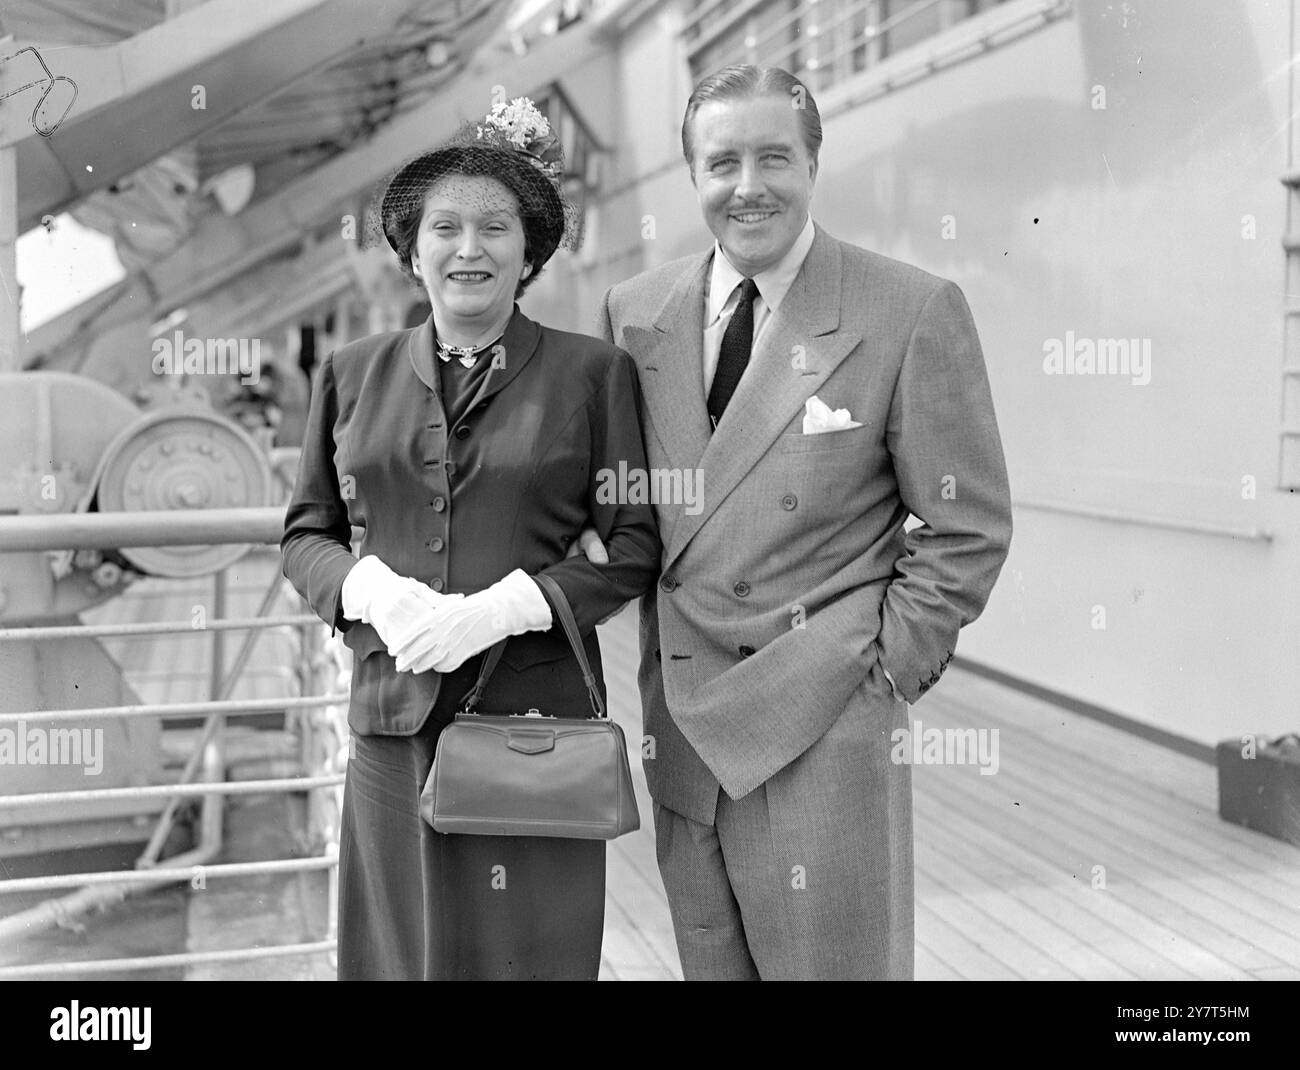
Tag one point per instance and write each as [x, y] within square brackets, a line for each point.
[822, 479]
[828, 441]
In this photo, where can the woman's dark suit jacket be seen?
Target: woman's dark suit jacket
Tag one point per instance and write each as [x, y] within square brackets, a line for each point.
[509, 485]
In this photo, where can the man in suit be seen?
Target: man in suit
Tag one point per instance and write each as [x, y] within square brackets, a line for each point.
[821, 393]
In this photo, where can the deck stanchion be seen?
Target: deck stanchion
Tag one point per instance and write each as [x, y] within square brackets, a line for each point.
[10, 298]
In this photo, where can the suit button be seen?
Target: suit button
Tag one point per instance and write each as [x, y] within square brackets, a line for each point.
[789, 501]
[668, 584]
[747, 651]
[450, 468]
[462, 431]
[741, 589]
[435, 544]
[436, 583]
[923, 687]
[439, 504]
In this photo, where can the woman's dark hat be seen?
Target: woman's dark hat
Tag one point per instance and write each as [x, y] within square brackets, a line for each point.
[513, 145]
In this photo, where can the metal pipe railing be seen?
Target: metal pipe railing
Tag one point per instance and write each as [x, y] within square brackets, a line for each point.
[161, 627]
[168, 873]
[99, 890]
[277, 673]
[1116, 516]
[178, 709]
[162, 962]
[163, 527]
[162, 791]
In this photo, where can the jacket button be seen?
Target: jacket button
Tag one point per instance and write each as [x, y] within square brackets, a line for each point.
[449, 468]
[668, 584]
[462, 431]
[741, 589]
[789, 501]
[435, 544]
[439, 504]
[747, 651]
[436, 583]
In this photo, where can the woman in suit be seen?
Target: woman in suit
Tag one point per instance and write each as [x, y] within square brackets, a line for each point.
[467, 450]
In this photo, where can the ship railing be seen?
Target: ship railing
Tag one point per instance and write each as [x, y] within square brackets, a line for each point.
[318, 714]
[828, 43]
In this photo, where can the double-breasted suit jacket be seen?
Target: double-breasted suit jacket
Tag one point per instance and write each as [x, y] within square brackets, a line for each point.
[509, 485]
[784, 594]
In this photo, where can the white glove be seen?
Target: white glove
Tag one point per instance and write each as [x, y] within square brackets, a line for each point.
[398, 607]
[461, 629]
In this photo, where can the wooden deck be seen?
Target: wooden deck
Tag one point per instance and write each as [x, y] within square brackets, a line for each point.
[1090, 854]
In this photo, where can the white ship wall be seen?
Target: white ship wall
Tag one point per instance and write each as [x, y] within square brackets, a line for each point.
[1069, 222]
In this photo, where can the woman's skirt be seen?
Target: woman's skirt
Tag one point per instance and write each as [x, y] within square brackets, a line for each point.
[417, 904]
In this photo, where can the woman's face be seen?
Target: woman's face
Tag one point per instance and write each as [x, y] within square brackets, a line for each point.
[469, 251]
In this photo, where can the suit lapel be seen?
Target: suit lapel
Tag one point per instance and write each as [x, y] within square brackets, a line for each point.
[800, 348]
[521, 340]
[672, 370]
[419, 352]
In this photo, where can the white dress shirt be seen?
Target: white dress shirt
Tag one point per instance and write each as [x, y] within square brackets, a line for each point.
[720, 298]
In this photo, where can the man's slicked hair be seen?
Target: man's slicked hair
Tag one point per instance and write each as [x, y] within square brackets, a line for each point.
[742, 81]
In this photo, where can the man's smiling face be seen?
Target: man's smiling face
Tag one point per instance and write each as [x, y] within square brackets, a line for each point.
[754, 177]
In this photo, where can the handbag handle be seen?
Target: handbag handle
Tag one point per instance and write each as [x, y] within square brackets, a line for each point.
[562, 610]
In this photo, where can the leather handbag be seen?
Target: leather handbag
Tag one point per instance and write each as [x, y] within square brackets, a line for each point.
[528, 774]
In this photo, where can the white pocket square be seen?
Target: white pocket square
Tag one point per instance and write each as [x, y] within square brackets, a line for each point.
[819, 418]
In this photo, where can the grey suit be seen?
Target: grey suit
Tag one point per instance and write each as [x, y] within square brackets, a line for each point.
[783, 597]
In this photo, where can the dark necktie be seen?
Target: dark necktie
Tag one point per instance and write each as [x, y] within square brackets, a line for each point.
[733, 355]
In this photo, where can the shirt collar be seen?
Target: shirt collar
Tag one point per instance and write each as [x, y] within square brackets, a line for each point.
[773, 284]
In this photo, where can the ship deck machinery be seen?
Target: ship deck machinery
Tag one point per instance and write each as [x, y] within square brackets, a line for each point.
[227, 148]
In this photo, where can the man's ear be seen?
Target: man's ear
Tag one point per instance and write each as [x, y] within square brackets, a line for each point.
[812, 172]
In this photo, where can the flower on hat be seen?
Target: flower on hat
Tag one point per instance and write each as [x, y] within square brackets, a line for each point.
[521, 126]
[519, 120]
